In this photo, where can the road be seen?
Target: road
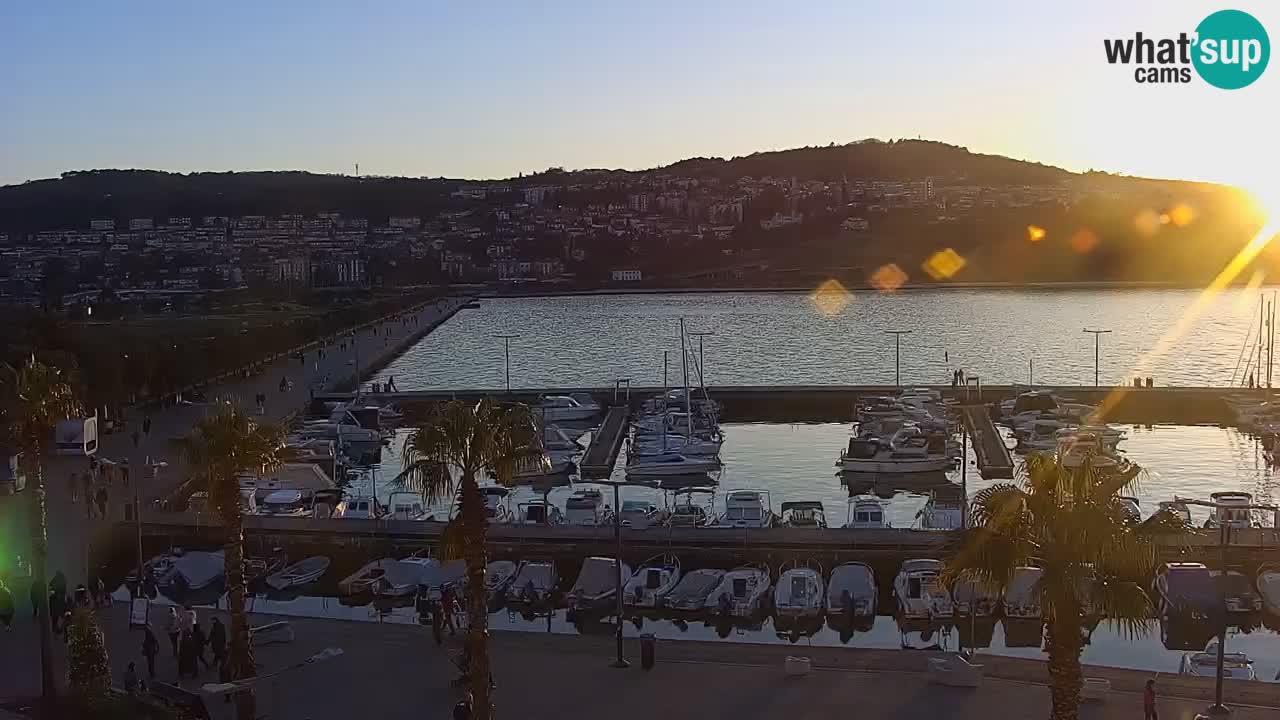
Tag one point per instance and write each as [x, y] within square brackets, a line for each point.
[69, 525]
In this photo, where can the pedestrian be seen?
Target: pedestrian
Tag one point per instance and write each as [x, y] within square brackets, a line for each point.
[284, 382]
[35, 592]
[102, 502]
[131, 679]
[6, 606]
[73, 487]
[462, 711]
[437, 622]
[448, 605]
[101, 597]
[186, 657]
[198, 641]
[124, 469]
[218, 641]
[87, 482]
[150, 648]
[1149, 701]
[171, 626]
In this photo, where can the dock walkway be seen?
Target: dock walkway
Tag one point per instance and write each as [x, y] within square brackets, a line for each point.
[598, 462]
[994, 461]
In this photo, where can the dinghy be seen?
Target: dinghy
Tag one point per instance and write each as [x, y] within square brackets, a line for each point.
[800, 593]
[534, 582]
[656, 578]
[852, 592]
[361, 581]
[692, 590]
[299, 573]
[741, 592]
[597, 582]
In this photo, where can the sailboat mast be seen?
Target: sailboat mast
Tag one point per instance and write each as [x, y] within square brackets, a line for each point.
[1258, 367]
[684, 356]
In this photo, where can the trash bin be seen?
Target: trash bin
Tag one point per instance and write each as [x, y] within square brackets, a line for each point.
[647, 643]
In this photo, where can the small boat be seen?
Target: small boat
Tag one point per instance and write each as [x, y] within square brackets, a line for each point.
[547, 466]
[800, 593]
[495, 505]
[362, 580]
[852, 593]
[974, 599]
[1233, 510]
[640, 514]
[556, 440]
[909, 450]
[285, 503]
[803, 514]
[741, 592]
[919, 592]
[407, 506]
[656, 577]
[498, 576]
[865, 513]
[299, 573]
[193, 570]
[1075, 449]
[940, 514]
[690, 594]
[436, 576]
[538, 513]
[669, 464]
[1238, 592]
[687, 513]
[1177, 508]
[358, 507]
[1185, 590]
[557, 408]
[1132, 508]
[694, 447]
[747, 509]
[1235, 665]
[596, 584]
[586, 507]
[1269, 587]
[534, 582]
[1022, 597]
[403, 578]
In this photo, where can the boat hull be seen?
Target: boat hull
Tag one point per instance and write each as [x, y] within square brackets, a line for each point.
[930, 464]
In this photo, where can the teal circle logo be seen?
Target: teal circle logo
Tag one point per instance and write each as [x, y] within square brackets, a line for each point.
[1232, 49]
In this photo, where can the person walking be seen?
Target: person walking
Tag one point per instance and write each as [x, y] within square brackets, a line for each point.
[102, 498]
[448, 606]
[6, 606]
[199, 640]
[218, 641]
[1149, 701]
[87, 482]
[131, 679]
[150, 648]
[186, 657]
[35, 592]
[73, 487]
[171, 626]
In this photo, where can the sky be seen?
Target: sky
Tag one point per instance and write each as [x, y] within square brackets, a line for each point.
[485, 89]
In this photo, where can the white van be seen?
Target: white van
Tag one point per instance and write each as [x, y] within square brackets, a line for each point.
[76, 437]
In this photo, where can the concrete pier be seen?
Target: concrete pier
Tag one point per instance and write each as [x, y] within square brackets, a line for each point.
[598, 462]
[994, 460]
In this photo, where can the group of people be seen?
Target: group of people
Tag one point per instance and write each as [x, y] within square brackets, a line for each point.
[441, 612]
[188, 641]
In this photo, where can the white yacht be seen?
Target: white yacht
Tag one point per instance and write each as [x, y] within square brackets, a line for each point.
[1235, 665]
[538, 513]
[596, 584]
[498, 576]
[657, 577]
[285, 503]
[640, 514]
[852, 592]
[800, 593]
[557, 408]
[1236, 513]
[909, 450]
[1132, 507]
[1022, 597]
[586, 507]
[644, 445]
[974, 599]
[299, 573]
[359, 507]
[747, 509]
[690, 594]
[406, 505]
[866, 513]
[741, 592]
[556, 440]
[920, 594]
[688, 513]
[1075, 448]
[669, 464]
[190, 569]
[495, 504]
[534, 582]
[940, 514]
[1040, 434]
[803, 514]
[674, 423]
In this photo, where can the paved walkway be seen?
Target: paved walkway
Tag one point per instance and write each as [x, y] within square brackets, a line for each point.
[69, 527]
[397, 671]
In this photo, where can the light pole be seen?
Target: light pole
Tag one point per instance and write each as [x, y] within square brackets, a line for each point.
[702, 365]
[619, 661]
[897, 354]
[506, 344]
[1097, 346]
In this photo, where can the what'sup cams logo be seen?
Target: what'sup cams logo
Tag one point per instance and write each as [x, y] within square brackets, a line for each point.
[1229, 50]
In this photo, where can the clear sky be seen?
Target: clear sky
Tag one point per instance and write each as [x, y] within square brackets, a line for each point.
[489, 89]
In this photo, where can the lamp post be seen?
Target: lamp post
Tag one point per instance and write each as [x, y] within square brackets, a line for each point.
[506, 344]
[897, 354]
[619, 661]
[1097, 347]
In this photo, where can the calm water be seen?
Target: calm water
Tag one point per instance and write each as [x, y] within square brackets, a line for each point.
[797, 339]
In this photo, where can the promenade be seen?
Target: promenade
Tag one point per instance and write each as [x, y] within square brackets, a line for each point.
[397, 671]
[69, 526]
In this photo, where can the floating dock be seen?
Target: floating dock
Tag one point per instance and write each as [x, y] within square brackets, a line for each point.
[994, 460]
[602, 454]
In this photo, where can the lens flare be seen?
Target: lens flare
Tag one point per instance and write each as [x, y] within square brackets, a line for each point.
[1035, 233]
[831, 298]
[888, 278]
[943, 264]
[1084, 241]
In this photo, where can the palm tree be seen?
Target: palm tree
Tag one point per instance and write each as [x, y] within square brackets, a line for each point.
[446, 454]
[220, 447]
[1072, 523]
[36, 396]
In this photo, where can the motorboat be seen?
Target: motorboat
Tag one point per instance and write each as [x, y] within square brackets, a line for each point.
[1039, 434]
[435, 576]
[1233, 510]
[189, 570]
[685, 512]
[673, 423]
[342, 433]
[1078, 449]
[1131, 507]
[407, 506]
[656, 577]
[1235, 665]
[403, 578]
[1185, 590]
[498, 576]
[554, 439]
[920, 593]
[534, 582]
[741, 592]
[1238, 592]
[669, 464]
[285, 503]
[558, 408]
[545, 466]
[359, 507]
[940, 514]
[1177, 508]
[362, 580]
[1269, 587]
[852, 592]
[799, 593]
[538, 513]
[586, 507]
[1040, 401]
[695, 447]
[299, 573]
[866, 513]
[747, 509]
[909, 450]
[803, 514]
[596, 584]
[640, 514]
[972, 598]
[1022, 596]
[690, 594]
[495, 503]
[306, 479]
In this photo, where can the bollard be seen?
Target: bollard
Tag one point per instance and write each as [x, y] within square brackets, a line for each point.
[647, 648]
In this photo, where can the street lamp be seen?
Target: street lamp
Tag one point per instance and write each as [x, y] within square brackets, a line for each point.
[506, 344]
[897, 354]
[1217, 709]
[1097, 345]
[619, 661]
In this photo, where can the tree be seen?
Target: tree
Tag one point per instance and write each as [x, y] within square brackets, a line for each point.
[1072, 523]
[33, 399]
[220, 447]
[88, 672]
[446, 454]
